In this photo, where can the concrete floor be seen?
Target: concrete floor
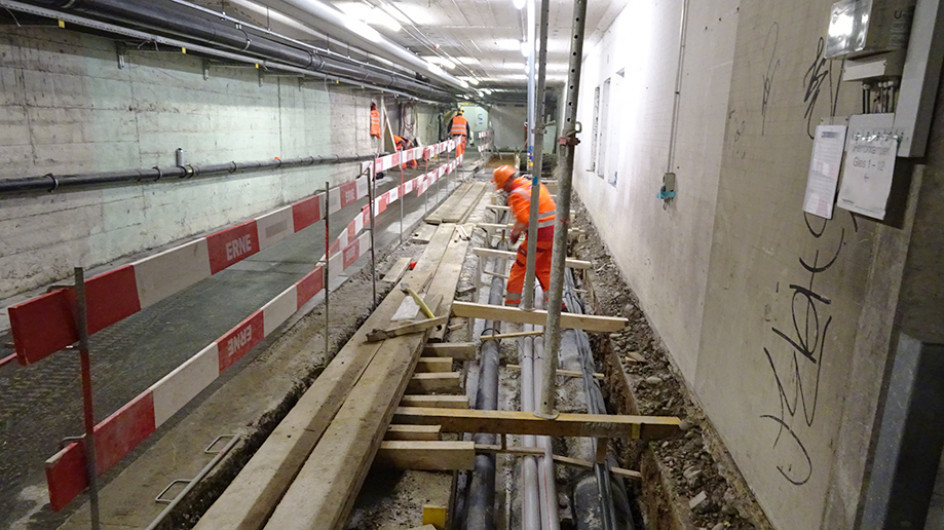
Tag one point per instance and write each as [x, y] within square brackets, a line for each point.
[42, 403]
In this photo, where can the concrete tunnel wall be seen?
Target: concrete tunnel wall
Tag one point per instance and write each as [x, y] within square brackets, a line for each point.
[715, 268]
[66, 107]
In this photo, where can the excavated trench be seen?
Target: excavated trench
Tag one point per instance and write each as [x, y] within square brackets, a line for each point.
[639, 379]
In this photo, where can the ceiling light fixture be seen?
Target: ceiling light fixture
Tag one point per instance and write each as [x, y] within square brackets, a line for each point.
[526, 49]
[519, 4]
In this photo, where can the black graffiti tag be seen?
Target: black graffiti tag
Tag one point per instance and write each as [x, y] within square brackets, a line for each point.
[819, 71]
[799, 393]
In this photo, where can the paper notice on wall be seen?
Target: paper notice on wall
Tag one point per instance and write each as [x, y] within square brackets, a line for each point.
[824, 170]
[867, 175]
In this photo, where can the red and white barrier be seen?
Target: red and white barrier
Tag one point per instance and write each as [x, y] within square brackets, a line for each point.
[124, 429]
[45, 324]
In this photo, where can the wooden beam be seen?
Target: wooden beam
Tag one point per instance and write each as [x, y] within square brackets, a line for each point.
[448, 382]
[324, 490]
[460, 351]
[434, 364]
[517, 422]
[426, 455]
[446, 280]
[498, 207]
[514, 335]
[406, 329]
[514, 314]
[252, 496]
[397, 270]
[507, 254]
[562, 373]
[413, 432]
[440, 401]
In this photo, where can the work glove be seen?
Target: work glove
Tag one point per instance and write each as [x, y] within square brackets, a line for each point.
[515, 234]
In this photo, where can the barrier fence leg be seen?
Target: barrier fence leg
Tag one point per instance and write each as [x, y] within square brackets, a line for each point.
[400, 196]
[327, 277]
[425, 195]
[371, 191]
[81, 323]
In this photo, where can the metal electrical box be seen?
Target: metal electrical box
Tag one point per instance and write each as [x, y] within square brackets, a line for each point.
[864, 27]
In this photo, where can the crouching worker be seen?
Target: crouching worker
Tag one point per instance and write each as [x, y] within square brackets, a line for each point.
[519, 202]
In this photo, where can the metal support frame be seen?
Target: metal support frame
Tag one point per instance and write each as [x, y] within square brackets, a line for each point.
[371, 191]
[327, 277]
[81, 324]
[559, 252]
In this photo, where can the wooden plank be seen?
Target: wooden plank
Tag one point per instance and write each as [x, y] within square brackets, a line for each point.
[446, 280]
[445, 382]
[434, 364]
[513, 335]
[517, 422]
[252, 496]
[397, 270]
[424, 233]
[498, 207]
[539, 318]
[462, 209]
[562, 373]
[439, 401]
[413, 432]
[438, 215]
[460, 351]
[326, 487]
[405, 329]
[507, 254]
[427, 455]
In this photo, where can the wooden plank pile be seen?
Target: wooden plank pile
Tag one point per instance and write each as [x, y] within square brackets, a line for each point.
[459, 205]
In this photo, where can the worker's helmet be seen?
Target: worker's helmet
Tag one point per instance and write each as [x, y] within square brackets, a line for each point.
[501, 176]
[460, 111]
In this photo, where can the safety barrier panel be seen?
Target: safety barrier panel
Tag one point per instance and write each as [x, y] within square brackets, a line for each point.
[125, 428]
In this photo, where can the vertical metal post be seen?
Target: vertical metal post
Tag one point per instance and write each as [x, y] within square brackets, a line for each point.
[559, 253]
[400, 195]
[537, 136]
[327, 277]
[81, 324]
[373, 257]
[425, 171]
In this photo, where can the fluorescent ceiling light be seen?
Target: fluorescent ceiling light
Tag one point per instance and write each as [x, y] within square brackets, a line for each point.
[526, 48]
[518, 3]
[466, 60]
[508, 45]
[471, 80]
[369, 15]
[441, 61]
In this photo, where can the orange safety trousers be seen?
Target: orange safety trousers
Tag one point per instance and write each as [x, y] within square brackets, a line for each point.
[460, 146]
[542, 266]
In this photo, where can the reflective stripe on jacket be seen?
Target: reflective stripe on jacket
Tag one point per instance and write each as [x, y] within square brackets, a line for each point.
[519, 200]
[460, 126]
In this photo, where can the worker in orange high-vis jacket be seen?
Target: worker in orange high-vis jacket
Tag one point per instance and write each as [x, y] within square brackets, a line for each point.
[519, 202]
[402, 144]
[374, 121]
[459, 129]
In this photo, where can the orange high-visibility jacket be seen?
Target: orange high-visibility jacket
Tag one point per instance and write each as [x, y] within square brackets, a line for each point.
[519, 200]
[459, 126]
[374, 123]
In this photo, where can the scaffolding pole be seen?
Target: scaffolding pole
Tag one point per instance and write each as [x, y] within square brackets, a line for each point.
[537, 137]
[568, 142]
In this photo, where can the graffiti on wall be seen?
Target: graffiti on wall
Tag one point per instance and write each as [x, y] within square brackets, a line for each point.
[770, 53]
[797, 360]
[818, 73]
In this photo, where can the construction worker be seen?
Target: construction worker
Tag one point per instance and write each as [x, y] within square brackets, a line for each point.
[519, 202]
[374, 121]
[459, 129]
[402, 144]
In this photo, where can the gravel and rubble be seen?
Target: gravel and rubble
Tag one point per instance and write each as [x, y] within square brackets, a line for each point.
[703, 487]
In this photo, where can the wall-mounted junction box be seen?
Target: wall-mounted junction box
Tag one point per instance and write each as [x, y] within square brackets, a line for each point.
[864, 27]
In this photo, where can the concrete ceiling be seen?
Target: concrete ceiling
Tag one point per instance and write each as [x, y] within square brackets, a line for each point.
[476, 40]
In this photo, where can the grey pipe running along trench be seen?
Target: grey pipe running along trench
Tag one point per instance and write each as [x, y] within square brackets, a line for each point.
[51, 183]
[480, 511]
[175, 19]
